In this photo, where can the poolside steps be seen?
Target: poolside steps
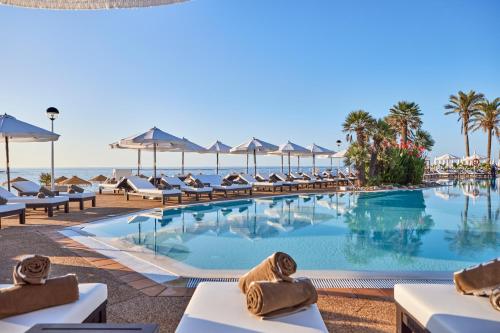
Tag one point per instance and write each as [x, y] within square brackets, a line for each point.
[338, 283]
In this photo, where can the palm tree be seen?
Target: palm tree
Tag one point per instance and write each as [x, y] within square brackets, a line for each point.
[423, 139]
[359, 122]
[464, 105]
[405, 117]
[382, 134]
[487, 118]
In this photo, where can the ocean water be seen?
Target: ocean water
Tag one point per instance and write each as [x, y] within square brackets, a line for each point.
[438, 229]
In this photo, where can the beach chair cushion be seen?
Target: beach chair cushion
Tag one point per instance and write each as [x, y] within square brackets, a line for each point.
[221, 307]
[27, 186]
[140, 184]
[77, 189]
[440, 308]
[92, 295]
[9, 207]
[47, 192]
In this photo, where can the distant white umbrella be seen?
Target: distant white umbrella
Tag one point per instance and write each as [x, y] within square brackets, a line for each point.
[218, 148]
[188, 147]
[156, 139]
[254, 146]
[87, 4]
[316, 150]
[13, 130]
[289, 149]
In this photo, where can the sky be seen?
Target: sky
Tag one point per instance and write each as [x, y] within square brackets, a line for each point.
[230, 70]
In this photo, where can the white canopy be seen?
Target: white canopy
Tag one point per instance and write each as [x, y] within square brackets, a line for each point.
[475, 157]
[19, 131]
[447, 157]
[189, 147]
[314, 150]
[15, 130]
[87, 4]
[289, 148]
[254, 146]
[155, 138]
[218, 148]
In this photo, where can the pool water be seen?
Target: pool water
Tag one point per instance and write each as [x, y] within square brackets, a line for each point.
[438, 229]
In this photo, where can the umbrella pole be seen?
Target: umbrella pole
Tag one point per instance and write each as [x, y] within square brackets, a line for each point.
[182, 167]
[298, 163]
[255, 163]
[289, 168]
[154, 163]
[314, 163]
[217, 169]
[247, 163]
[138, 162]
[282, 169]
[331, 163]
[7, 161]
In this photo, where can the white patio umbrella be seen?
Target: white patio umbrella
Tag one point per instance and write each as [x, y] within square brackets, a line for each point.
[474, 157]
[87, 4]
[289, 149]
[316, 150]
[254, 146]
[13, 130]
[156, 139]
[218, 148]
[447, 158]
[188, 147]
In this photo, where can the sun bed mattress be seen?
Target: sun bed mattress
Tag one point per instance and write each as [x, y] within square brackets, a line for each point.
[35, 200]
[91, 296]
[221, 307]
[440, 308]
[9, 207]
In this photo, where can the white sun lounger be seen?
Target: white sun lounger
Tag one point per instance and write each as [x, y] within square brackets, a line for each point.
[142, 187]
[287, 183]
[11, 209]
[302, 180]
[89, 308]
[441, 309]
[266, 185]
[119, 175]
[219, 307]
[48, 203]
[189, 190]
[215, 182]
[318, 181]
[29, 188]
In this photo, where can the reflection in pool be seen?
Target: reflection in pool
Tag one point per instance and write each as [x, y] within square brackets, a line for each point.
[439, 229]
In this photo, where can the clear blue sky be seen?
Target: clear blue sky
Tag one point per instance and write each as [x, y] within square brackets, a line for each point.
[229, 70]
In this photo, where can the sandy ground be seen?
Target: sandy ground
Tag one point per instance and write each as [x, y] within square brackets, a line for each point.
[343, 310]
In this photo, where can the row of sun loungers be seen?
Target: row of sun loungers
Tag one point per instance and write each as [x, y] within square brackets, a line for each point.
[171, 187]
[27, 199]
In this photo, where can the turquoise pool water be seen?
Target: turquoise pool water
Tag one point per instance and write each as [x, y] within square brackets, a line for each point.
[439, 229]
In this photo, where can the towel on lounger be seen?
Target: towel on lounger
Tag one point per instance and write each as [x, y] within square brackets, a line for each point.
[271, 299]
[495, 298]
[478, 280]
[26, 298]
[77, 189]
[3, 201]
[47, 192]
[32, 269]
[277, 267]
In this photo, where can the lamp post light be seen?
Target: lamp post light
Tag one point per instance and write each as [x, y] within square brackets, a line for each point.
[52, 114]
[338, 149]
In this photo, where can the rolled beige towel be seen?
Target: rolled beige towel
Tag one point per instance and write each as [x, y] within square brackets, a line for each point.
[478, 280]
[271, 299]
[277, 267]
[32, 269]
[495, 298]
[20, 299]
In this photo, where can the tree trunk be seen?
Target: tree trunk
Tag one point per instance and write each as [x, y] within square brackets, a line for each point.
[466, 136]
[404, 134]
[361, 164]
[373, 164]
[489, 145]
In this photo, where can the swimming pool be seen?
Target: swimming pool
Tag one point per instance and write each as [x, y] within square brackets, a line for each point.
[432, 230]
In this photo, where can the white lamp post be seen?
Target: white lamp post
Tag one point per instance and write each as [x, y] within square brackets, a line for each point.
[338, 148]
[52, 113]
